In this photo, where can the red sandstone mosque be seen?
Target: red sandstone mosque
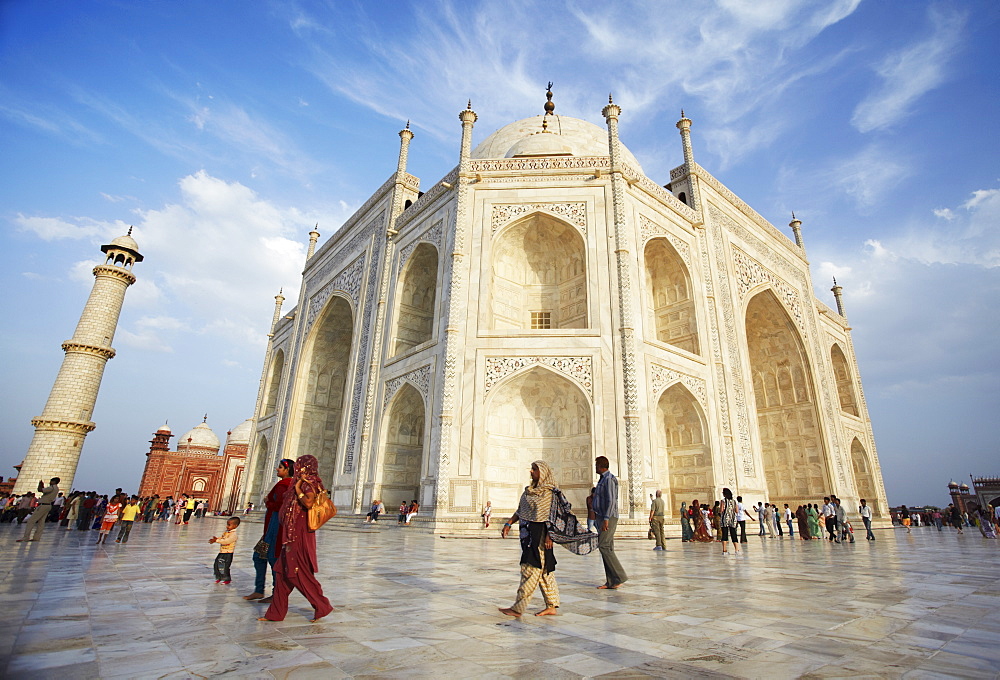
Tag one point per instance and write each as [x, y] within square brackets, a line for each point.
[198, 468]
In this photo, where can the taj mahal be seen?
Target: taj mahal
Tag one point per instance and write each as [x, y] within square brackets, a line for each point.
[547, 300]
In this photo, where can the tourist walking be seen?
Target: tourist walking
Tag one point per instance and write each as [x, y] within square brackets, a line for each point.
[656, 512]
[812, 514]
[268, 548]
[787, 512]
[727, 520]
[606, 515]
[759, 509]
[701, 533]
[72, 511]
[687, 533]
[830, 518]
[297, 565]
[36, 523]
[487, 514]
[904, 517]
[803, 521]
[955, 516]
[769, 520]
[111, 512]
[866, 516]
[227, 546]
[741, 518]
[543, 518]
[129, 513]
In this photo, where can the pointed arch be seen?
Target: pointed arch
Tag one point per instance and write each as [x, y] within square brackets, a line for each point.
[864, 475]
[669, 301]
[683, 459]
[416, 294]
[320, 391]
[403, 450]
[538, 276]
[537, 414]
[274, 383]
[788, 418]
[845, 381]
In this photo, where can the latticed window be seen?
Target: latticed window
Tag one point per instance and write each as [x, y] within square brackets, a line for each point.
[541, 320]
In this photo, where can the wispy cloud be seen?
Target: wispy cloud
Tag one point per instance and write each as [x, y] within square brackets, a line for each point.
[908, 74]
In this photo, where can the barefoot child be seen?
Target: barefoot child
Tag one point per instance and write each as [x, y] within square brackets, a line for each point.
[110, 517]
[227, 544]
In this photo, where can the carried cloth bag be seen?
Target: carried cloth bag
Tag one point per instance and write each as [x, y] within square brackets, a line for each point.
[322, 510]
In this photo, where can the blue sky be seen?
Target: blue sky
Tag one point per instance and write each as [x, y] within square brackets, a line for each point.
[223, 131]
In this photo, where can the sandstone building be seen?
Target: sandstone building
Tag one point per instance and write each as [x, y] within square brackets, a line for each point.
[198, 468]
[546, 299]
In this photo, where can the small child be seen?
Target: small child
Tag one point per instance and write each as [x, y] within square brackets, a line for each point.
[227, 544]
[110, 517]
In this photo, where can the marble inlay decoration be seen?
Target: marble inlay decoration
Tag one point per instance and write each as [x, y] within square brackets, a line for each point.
[574, 213]
[577, 368]
[662, 377]
[420, 378]
[649, 229]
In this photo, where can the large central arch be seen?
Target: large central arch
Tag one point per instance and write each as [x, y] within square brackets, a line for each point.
[794, 457]
[322, 378]
[537, 415]
[539, 276]
[670, 306]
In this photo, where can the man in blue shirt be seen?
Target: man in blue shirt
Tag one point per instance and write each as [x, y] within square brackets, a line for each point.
[606, 515]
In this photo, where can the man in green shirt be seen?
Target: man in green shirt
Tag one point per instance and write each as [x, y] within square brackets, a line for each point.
[656, 520]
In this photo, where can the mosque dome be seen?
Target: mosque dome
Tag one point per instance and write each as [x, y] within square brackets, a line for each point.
[241, 433]
[164, 428]
[952, 484]
[125, 241]
[565, 136]
[964, 487]
[201, 437]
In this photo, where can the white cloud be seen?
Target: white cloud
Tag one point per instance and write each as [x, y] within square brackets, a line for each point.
[908, 74]
[944, 213]
[54, 229]
[870, 174]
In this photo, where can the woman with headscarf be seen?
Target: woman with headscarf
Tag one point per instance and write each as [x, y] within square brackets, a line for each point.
[812, 517]
[803, 519]
[687, 533]
[544, 518]
[297, 565]
[701, 533]
[268, 548]
[72, 511]
[727, 520]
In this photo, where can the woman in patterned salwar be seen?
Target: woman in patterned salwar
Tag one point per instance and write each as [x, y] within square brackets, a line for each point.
[544, 518]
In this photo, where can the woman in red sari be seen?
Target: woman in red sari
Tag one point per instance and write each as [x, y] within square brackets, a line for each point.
[297, 565]
[701, 532]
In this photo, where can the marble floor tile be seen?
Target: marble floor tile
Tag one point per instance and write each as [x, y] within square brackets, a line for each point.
[404, 609]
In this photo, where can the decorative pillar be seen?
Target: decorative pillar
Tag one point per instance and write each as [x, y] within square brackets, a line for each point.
[66, 419]
[633, 444]
[375, 365]
[837, 295]
[313, 238]
[684, 126]
[796, 225]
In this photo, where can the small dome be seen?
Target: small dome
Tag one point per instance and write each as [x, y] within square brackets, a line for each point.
[201, 437]
[241, 433]
[566, 136]
[953, 484]
[126, 241]
[164, 428]
[964, 487]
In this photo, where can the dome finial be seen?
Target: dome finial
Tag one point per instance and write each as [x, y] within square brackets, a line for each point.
[468, 107]
[407, 123]
[610, 99]
[130, 230]
[205, 419]
[549, 104]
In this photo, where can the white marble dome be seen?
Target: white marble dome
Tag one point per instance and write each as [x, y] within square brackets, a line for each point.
[201, 437]
[241, 433]
[566, 136]
[127, 242]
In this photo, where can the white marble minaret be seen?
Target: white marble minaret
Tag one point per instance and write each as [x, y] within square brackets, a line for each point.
[66, 420]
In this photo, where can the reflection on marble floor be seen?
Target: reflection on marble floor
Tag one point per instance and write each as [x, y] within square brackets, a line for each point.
[413, 605]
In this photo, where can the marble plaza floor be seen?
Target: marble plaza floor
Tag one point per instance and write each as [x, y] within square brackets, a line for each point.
[411, 605]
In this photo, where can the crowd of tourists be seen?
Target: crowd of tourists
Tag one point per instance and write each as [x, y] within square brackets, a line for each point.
[985, 519]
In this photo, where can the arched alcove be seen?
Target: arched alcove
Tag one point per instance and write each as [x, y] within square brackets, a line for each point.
[416, 293]
[274, 383]
[322, 377]
[537, 415]
[539, 276]
[669, 304]
[403, 451]
[683, 458]
[795, 461]
[863, 475]
[845, 383]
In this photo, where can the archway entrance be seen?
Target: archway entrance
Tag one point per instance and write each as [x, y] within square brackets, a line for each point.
[795, 462]
[683, 457]
[670, 305]
[403, 452]
[538, 415]
[322, 378]
[416, 293]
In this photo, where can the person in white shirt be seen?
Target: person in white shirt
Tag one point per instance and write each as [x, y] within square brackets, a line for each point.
[830, 518]
[788, 520]
[741, 517]
[866, 516]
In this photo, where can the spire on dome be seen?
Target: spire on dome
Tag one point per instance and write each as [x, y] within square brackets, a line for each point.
[205, 419]
[130, 230]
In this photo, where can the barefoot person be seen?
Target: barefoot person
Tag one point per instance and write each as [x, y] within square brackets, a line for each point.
[267, 550]
[543, 516]
[297, 565]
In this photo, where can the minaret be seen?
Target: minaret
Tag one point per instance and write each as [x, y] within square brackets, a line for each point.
[837, 290]
[684, 125]
[690, 167]
[279, 299]
[796, 225]
[313, 237]
[66, 420]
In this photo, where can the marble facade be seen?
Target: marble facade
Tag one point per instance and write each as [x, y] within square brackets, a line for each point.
[545, 299]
